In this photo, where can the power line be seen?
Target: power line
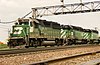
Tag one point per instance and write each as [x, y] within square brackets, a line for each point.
[4, 27]
[16, 20]
[7, 22]
[27, 14]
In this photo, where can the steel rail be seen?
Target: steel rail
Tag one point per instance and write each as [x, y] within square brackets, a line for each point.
[91, 62]
[46, 62]
[17, 51]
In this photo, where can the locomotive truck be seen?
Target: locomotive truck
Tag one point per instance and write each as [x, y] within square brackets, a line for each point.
[47, 33]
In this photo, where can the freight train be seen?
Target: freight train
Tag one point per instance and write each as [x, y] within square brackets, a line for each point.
[37, 32]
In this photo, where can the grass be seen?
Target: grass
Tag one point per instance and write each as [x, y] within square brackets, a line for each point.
[3, 46]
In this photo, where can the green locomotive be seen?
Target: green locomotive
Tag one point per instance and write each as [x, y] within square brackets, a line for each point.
[33, 33]
[78, 35]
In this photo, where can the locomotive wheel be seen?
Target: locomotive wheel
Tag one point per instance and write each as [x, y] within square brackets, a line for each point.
[69, 42]
[45, 46]
[10, 44]
[26, 46]
[57, 42]
[38, 43]
[35, 46]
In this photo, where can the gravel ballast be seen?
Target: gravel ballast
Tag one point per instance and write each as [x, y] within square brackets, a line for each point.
[78, 61]
[35, 57]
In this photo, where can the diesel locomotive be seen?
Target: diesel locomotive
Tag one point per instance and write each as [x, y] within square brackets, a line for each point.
[37, 32]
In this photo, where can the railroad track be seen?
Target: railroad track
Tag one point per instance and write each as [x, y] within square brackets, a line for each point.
[92, 62]
[58, 59]
[17, 51]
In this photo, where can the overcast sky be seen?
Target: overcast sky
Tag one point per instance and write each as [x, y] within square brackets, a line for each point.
[12, 9]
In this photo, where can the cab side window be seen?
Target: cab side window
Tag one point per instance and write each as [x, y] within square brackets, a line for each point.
[36, 25]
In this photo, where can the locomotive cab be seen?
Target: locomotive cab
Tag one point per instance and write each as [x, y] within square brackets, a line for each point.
[21, 32]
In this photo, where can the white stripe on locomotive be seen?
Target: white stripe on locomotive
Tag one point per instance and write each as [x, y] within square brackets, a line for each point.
[63, 33]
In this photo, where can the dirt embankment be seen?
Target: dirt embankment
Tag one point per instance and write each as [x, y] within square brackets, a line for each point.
[1, 42]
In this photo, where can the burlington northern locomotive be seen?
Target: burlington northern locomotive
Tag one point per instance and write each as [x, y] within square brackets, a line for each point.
[47, 33]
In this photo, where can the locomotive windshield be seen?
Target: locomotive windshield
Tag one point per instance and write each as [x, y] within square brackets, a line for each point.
[28, 22]
[24, 22]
